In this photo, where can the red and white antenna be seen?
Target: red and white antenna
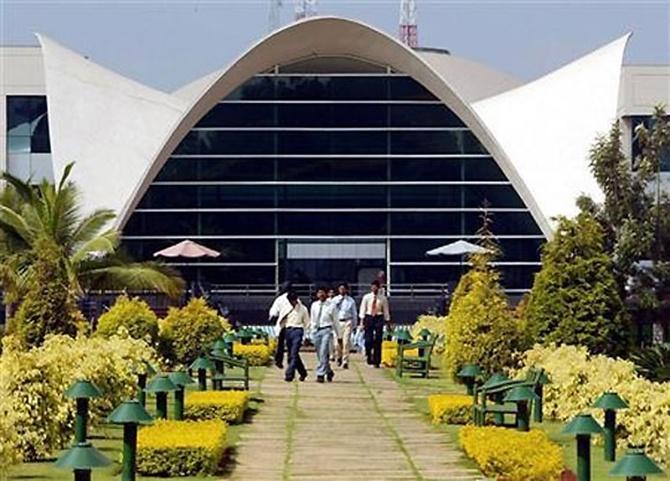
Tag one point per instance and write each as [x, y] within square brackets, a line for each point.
[304, 9]
[409, 33]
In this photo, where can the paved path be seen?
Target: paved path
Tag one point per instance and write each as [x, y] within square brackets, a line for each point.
[358, 428]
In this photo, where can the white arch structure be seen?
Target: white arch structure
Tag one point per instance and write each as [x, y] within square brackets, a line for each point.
[120, 133]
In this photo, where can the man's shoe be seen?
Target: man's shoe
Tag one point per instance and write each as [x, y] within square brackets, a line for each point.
[330, 376]
[303, 377]
[279, 365]
[376, 366]
[288, 379]
[319, 379]
[339, 362]
[345, 365]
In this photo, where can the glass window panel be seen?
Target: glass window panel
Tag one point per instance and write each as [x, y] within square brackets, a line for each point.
[239, 276]
[332, 196]
[518, 277]
[204, 169]
[503, 223]
[406, 88]
[18, 144]
[212, 142]
[332, 223]
[419, 223]
[40, 144]
[19, 165]
[482, 168]
[303, 88]
[500, 196]
[23, 112]
[515, 250]
[417, 169]
[237, 223]
[331, 143]
[443, 275]
[256, 88]
[232, 250]
[240, 115]
[435, 142]
[358, 88]
[41, 167]
[207, 196]
[414, 250]
[305, 169]
[423, 115]
[426, 196]
[162, 223]
[332, 115]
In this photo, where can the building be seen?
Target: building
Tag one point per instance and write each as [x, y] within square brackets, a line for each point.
[326, 151]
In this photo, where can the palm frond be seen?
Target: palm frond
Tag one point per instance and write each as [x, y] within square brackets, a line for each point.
[104, 244]
[90, 226]
[14, 224]
[135, 276]
[24, 189]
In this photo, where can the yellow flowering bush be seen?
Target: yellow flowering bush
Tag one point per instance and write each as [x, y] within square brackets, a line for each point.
[390, 353]
[578, 379]
[180, 448]
[510, 455]
[133, 314]
[224, 405]
[256, 354]
[437, 325]
[450, 408]
[9, 440]
[33, 384]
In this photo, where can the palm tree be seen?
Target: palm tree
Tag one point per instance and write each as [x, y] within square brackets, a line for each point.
[31, 213]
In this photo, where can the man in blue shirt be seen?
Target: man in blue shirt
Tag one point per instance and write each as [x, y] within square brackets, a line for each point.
[322, 326]
[347, 316]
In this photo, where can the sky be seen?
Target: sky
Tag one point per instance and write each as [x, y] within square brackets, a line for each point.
[168, 43]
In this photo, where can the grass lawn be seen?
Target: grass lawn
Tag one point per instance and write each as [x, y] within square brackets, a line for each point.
[418, 389]
[109, 439]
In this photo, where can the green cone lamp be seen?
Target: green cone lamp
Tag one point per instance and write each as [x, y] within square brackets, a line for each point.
[81, 391]
[635, 466]
[469, 374]
[610, 402]
[81, 459]
[425, 334]
[143, 372]
[229, 340]
[402, 336]
[201, 365]
[245, 336]
[130, 414]
[181, 379]
[161, 386]
[583, 426]
[521, 396]
[496, 378]
[539, 390]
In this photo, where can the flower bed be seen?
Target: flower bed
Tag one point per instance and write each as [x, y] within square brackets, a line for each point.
[503, 453]
[390, 353]
[226, 406]
[180, 448]
[450, 408]
[256, 354]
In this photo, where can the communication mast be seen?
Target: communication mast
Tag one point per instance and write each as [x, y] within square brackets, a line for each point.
[409, 34]
[274, 15]
[305, 8]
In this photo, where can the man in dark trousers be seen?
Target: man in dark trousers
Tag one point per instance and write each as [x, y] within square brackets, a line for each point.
[374, 312]
[280, 302]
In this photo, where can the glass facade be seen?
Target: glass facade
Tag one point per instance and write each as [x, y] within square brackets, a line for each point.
[362, 172]
[28, 145]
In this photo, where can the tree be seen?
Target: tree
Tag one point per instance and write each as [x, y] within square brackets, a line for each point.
[575, 299]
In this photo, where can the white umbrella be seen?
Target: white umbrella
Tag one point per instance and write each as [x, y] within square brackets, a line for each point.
[187, 248]
[458, 248]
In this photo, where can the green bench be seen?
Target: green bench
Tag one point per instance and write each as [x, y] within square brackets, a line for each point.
[223, 380]
[419, 364]
[489, 398]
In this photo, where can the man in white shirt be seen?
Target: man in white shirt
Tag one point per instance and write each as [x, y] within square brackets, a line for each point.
[374, 312]
[347, 316]
[295, 319]
[323, 324]
[273, 315]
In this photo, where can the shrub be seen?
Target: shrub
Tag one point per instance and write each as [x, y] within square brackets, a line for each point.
[578, 379]
[450, 408]
[511, 455]
[653, 362]
[228, 406]
[437, 325]
[256, 354]
[9, 440]
[33, 384]
[575, 299]
[187, 332]
[390, 353]
[180, 448]
[134, 315]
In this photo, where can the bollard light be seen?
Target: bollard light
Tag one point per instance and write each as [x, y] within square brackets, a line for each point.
[521, 396]
[610, 402]
[161, 385]
[180, 379]
[229, 343]
[81, 459]
[635, 465]
[144, 371]
[402, 336]
[245, 336]
[201, 365]
[81, 391]
[130, 414]
[469, 374]
[583, 426]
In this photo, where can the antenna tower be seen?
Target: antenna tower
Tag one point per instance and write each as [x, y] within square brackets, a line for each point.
[304, 9]
[409, 34]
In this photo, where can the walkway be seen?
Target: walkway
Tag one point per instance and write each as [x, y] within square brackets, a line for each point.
[357, 428]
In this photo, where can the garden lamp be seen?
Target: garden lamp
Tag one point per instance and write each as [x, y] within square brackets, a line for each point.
[201, 365]
[244, 335]
[81, 458]
[539, 390]
[402, 336]
[144, 371]
[81, 391]
[161, 386]
[229, 340]
[583, 426]
[130, 414]
[180, 379]
[610, 402]
[468, 374]
[521, 396]
[635, 465]
[425, 334]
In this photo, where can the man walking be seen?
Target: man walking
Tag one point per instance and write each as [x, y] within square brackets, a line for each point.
[373, 313]
[323, 324]
[280, 302]
[347, 316]
[295, 320]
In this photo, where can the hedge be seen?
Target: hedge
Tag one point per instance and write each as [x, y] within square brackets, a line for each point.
[256, 354]
[450, 408]
[503, 453]
[181, 448]
[222, 405]
[134, 315]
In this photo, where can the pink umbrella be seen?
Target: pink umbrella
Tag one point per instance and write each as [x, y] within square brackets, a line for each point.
[187, 248]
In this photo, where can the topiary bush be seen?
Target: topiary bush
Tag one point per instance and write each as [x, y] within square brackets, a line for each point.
[180, 448]
[503, 453]
[190, 331]
[33, 383]
[228, 406]
[450, 408]
[132, 314]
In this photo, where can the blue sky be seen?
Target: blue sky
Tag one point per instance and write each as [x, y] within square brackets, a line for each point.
[168, 43]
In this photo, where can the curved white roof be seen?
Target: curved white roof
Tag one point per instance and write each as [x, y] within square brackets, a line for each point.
[120, 133]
